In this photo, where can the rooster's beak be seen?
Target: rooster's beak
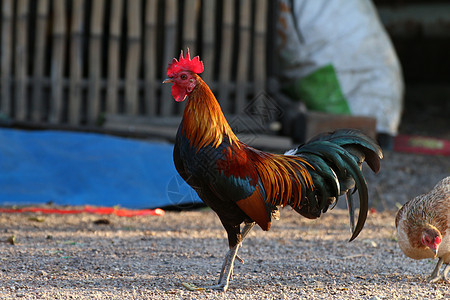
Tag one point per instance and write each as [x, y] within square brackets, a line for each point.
[168, 80]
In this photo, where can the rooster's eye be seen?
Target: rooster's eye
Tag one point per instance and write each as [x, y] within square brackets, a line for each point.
[183, 76]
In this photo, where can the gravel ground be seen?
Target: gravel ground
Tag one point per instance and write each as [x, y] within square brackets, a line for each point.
[403, 176]
[72, 257]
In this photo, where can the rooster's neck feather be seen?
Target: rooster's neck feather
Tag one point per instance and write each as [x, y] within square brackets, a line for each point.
[203, 120]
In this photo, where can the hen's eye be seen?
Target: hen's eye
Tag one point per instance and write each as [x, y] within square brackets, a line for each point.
[183, 76]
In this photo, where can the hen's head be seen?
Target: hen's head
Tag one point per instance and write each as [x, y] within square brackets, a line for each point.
[182, 73]
[432, 238]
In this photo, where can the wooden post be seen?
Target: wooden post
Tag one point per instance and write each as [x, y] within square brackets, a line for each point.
[95, 39]
[209, 31]
[57, 63]
[6, 57]
[133, 57]
[37, 109]
[150, 56]
[169, 50]
[191, 8]
[226, 57]
[259, 58]
[76, 62]
[243, 63]
[21, 60]
[113, 56]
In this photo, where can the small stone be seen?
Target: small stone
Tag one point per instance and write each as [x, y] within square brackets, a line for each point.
[102, 221]
[12, 240]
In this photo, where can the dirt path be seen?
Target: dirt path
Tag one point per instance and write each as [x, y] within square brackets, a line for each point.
[70, 257]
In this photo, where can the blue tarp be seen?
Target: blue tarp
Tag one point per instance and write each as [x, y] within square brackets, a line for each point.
[70, 168]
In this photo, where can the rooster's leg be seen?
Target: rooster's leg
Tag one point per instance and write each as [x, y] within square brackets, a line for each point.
[245, 231]
[434, 277]
[227, 269]
[228, 264]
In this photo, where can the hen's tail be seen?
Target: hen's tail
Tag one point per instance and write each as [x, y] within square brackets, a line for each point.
[336, 159]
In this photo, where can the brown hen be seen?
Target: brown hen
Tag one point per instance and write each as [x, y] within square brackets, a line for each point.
[423, 227]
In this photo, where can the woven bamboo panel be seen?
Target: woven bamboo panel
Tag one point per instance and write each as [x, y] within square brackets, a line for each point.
[72, 62]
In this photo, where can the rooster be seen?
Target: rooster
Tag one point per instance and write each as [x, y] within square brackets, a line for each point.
[423, 225]
[245, 185]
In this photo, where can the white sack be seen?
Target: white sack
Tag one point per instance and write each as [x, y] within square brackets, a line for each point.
[349, 35]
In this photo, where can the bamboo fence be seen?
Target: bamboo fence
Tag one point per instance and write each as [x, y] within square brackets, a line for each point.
[74, 61]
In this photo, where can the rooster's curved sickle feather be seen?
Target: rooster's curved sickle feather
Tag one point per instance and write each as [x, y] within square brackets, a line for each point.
[345, 150]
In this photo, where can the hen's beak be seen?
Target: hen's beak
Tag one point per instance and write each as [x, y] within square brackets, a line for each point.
[168, 80]
[435, 251]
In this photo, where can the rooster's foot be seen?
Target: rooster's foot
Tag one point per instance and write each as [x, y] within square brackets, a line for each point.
[225, 273]
[227, 267]
[219, 287]
[232, 253]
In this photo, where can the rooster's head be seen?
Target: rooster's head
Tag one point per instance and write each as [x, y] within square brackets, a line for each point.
[182, 73]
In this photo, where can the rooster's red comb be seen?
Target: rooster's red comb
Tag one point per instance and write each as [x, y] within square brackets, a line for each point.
[185, 63]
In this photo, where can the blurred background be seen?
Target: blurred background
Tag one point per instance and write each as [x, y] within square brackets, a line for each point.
[79, 78]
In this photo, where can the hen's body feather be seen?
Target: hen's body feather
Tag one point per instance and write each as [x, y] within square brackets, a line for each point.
[431, 209]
